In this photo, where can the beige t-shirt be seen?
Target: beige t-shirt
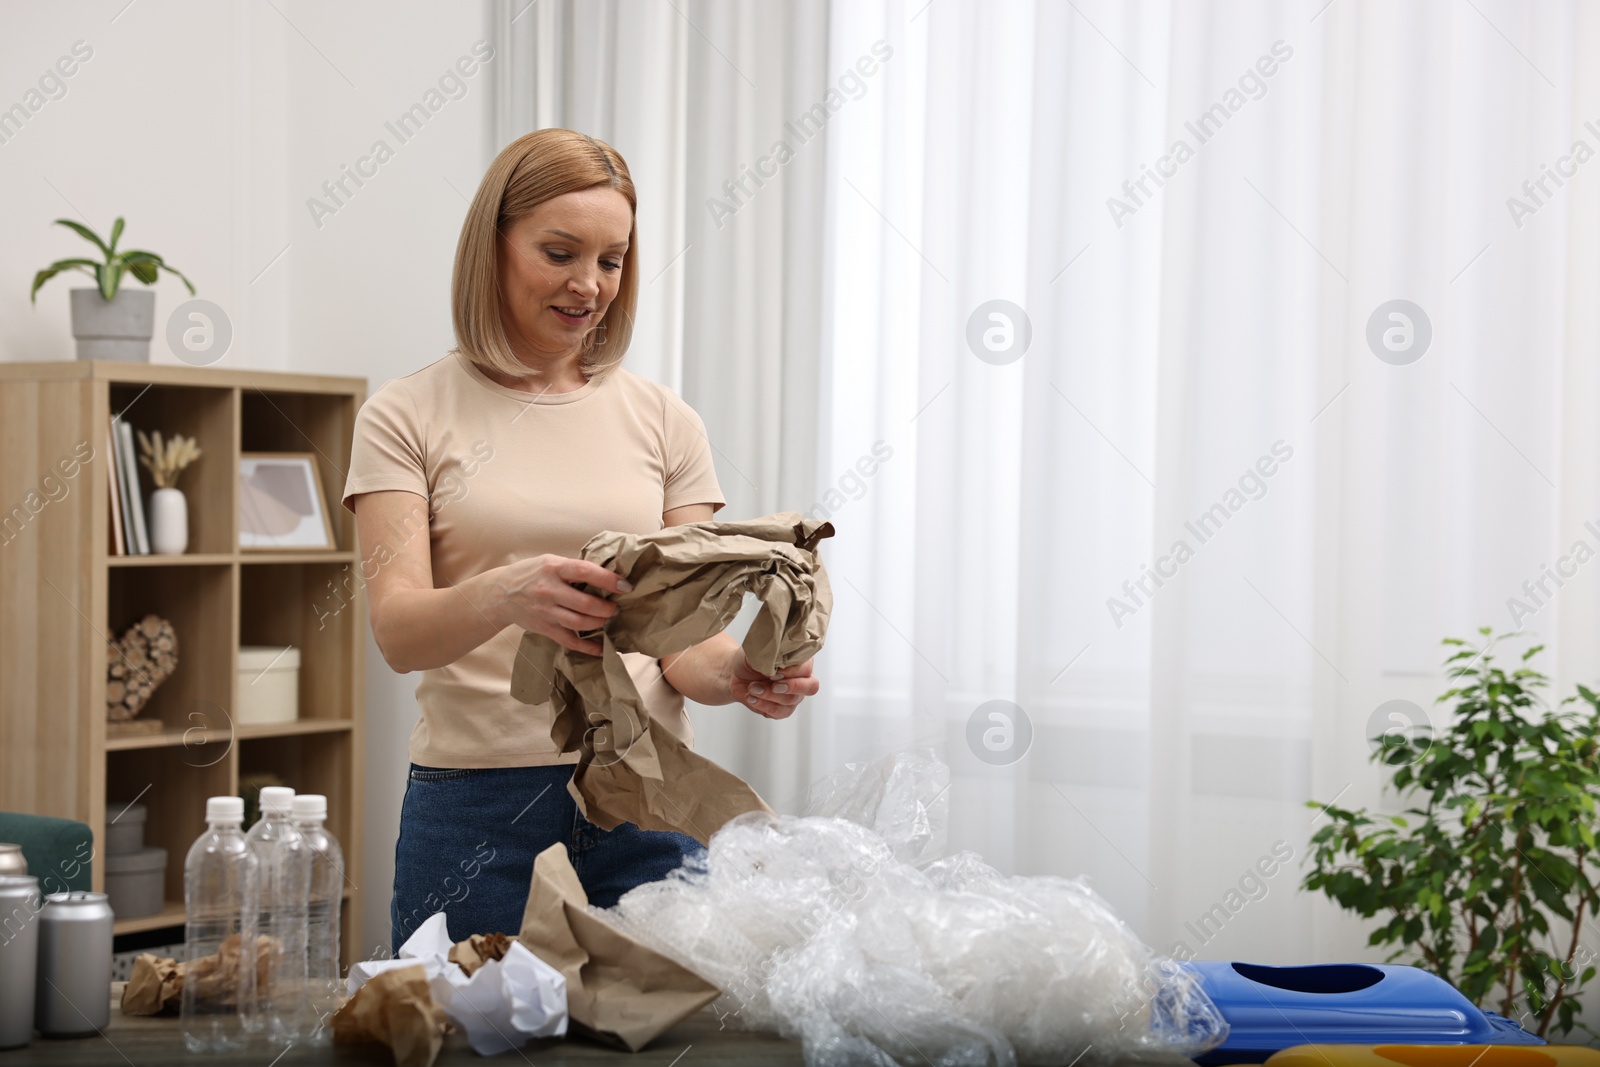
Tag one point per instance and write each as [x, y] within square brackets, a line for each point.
[510, 474]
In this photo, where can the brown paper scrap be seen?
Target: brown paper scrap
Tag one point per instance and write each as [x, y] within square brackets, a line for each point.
[477, 950]
[688, 584]
[395, 1008]
[215, 978]
[618, 988]
[155, 986]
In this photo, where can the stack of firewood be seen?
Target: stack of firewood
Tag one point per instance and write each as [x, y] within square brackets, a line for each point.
[135, 665]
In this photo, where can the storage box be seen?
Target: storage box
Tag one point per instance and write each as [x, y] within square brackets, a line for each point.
[269, 684]
[125, 836]
[135, 883]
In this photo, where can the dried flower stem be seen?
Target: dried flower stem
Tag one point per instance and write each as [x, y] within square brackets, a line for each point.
[166, 462]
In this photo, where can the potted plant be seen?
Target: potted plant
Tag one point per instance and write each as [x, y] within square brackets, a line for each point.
[1492, 886]
[111, 322]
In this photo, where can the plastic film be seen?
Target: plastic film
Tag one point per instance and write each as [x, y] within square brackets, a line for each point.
[825, 930]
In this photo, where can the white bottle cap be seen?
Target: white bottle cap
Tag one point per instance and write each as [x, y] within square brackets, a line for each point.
[278, 799]
[225, 809]
[309, 806]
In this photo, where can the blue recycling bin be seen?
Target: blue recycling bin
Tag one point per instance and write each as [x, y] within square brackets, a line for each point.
[1269, 1009]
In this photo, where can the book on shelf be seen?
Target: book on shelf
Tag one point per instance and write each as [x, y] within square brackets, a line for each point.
[129, 546]
[139, 542]
[118, 548]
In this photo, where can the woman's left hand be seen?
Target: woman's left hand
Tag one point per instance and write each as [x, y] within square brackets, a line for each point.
[775, 699]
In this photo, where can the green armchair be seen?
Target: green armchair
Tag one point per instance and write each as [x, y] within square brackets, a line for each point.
[59, 851]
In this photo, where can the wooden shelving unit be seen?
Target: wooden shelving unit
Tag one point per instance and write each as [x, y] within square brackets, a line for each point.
[63, 595]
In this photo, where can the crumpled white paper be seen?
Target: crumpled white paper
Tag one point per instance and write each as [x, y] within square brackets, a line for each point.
[503, 1005]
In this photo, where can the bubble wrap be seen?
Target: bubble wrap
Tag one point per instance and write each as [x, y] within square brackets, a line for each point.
[826, 930]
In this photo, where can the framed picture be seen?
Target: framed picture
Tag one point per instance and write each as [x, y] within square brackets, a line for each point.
[281, 505]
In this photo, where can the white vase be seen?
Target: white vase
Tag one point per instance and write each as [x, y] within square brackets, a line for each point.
[169, 522]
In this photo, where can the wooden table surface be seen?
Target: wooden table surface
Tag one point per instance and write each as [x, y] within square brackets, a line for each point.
[156, 1041]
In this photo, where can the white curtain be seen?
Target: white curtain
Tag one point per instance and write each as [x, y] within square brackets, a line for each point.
[1180, 336]
[1198, 370]
[694, 93]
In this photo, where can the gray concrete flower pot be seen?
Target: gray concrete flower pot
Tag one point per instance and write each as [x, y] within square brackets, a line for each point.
[114, 329]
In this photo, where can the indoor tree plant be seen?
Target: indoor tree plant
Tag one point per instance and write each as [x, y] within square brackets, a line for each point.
[108, 321]
[1492, 885]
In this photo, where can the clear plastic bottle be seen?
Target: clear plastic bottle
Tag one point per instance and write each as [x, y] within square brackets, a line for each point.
[221, 895]
[286, 889]
[323, 980]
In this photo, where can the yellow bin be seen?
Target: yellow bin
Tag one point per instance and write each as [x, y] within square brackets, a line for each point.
[1435, 1056]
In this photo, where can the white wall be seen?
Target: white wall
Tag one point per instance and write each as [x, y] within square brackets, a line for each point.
[209, 126]
[178, 122]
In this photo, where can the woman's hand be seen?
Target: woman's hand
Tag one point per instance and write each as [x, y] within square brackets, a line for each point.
[777, 697]
[716, 672]
[539, 594]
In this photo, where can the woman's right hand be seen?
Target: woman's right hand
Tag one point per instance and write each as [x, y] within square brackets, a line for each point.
[539, 594]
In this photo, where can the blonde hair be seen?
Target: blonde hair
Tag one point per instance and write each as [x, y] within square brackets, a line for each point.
[530, 170]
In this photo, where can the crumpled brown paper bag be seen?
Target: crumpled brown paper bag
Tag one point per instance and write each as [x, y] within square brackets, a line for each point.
[477, 950]
[396, 1009]
[155, 985]
[688, 584]
[619, 989]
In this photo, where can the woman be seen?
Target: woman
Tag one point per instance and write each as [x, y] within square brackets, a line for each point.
[475, 482]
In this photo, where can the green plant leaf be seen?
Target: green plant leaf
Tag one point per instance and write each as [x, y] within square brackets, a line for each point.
[110, 279]
[187, 283]
[145, 266]
[86, 233]
[140, 256]
[86, 265]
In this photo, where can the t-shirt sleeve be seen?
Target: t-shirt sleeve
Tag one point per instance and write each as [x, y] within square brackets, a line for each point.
[691, 475]
[388, 448]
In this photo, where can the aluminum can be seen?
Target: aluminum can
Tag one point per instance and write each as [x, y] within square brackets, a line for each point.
[73, 994]
[12, 861]
[19, 954]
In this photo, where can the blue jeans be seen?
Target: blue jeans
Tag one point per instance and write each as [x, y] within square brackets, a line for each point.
[468, 838]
